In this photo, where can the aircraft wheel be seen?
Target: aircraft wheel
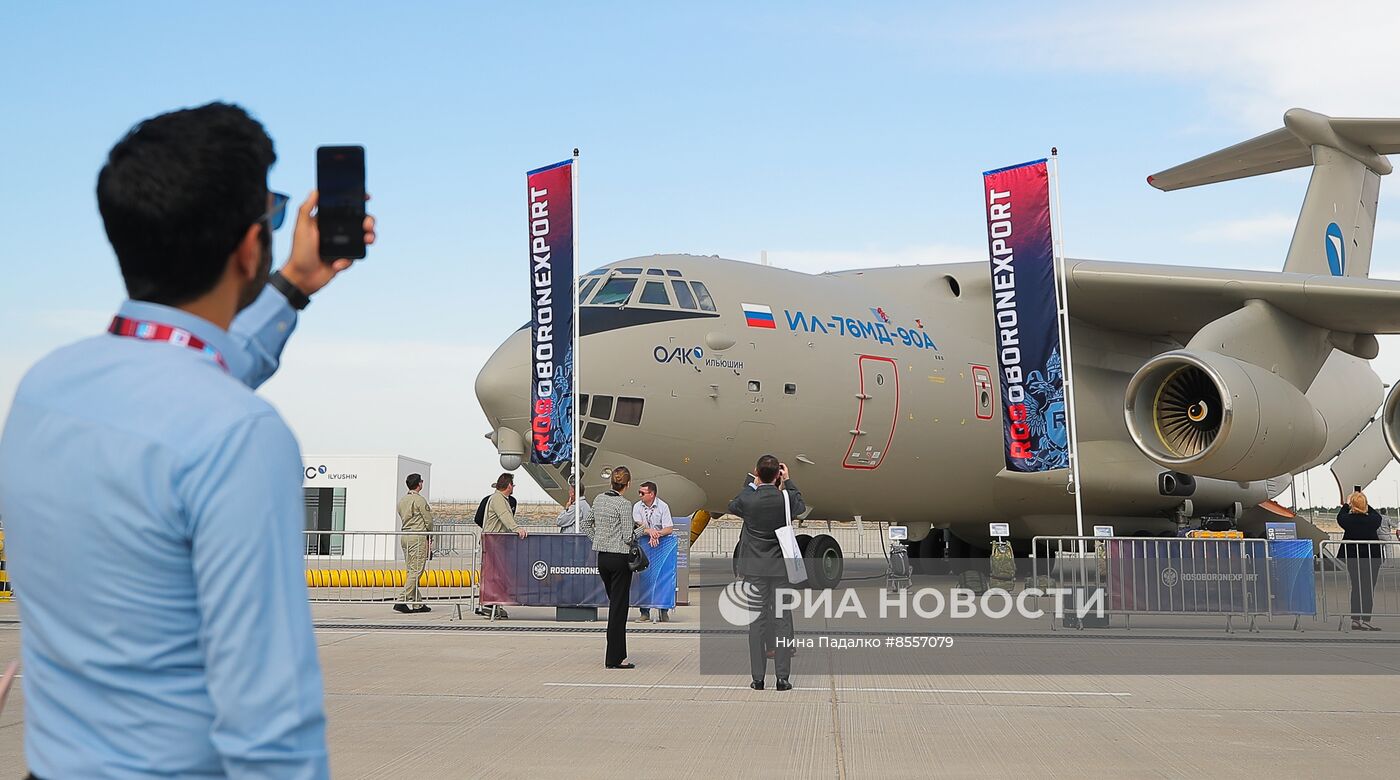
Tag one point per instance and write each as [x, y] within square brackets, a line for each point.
[825, 564]
[804, 541]
[954, 547]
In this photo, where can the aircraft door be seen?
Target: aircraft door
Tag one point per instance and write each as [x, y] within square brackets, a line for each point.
[877, 413]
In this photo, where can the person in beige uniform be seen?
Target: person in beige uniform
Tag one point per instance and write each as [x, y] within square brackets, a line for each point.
[415, 515]
[500, 518]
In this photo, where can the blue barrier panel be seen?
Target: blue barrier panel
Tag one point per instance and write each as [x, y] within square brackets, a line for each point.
[655, 588]
[1291, 577]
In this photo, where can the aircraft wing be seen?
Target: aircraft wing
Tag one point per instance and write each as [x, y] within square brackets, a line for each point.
[1178, 301]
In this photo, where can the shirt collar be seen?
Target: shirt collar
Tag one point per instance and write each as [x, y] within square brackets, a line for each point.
[211, 334]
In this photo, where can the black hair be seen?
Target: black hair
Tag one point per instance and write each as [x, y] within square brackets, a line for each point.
[505, 480]
[177, 195]
[649, 486]
[414, 481]
[767, 469]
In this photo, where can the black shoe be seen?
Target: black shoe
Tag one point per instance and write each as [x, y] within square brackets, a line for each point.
[757, 685]
[423, 608]
[404, 608]
[623, 665]
[783, 684]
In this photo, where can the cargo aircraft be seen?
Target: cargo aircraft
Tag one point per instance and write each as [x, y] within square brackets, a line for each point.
[1199, 391]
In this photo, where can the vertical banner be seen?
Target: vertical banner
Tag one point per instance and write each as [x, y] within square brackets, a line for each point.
[1034, 422]
[551, 217]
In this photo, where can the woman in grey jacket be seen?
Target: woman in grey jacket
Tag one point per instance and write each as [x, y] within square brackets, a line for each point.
[610, 526]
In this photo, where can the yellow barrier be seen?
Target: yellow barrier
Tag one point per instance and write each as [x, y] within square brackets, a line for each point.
[5, 593]
[389, 578]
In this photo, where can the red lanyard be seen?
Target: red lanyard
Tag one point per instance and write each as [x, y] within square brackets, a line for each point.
[155, 331]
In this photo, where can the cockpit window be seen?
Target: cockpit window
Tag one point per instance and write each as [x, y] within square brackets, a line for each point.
[628, 270]
[672, 272]
[703, 294]
[655, 293]
[615, 292]
[655, 272]
[683, 296]
[588, 288]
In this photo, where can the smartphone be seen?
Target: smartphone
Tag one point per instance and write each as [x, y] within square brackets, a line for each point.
[1356, 488]
[340, 212]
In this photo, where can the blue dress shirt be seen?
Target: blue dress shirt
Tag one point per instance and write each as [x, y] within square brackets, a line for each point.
[153, 515]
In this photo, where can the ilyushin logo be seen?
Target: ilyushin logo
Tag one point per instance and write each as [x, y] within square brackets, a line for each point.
[313, 472]
[1336, 250]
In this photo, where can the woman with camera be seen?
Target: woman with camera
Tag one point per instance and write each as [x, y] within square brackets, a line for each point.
[610, 527]
[1361, 524]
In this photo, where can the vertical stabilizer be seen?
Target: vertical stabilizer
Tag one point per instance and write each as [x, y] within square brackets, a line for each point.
[1337, 224]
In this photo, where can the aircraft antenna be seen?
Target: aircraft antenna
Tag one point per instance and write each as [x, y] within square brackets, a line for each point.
[1062, 303]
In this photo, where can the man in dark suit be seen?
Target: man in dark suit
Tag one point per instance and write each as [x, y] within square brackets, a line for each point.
[761, 565]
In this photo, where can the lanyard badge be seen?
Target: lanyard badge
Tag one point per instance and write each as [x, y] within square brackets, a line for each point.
[146, 330]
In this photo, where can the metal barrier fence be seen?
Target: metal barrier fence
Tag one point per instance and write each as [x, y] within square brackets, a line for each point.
[1230, 578]
[350, 567]
[1359, 580]
[719, 539]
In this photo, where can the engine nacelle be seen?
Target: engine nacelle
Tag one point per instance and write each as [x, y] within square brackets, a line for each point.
[1390, 420]
[1209, 415]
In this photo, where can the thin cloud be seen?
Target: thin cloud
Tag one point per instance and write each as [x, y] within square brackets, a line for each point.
[1253, 59]
[1247, 229]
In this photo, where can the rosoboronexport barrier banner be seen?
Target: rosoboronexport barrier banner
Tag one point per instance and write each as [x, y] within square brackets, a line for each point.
[1230, 576]
[561, 570]
[1034, 420]
[551, 219]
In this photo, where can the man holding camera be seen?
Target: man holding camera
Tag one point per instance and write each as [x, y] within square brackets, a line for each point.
[166, 625]
[765, 505]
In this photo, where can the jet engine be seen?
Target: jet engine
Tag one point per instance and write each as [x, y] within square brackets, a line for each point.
[1209, 415]
[1390, 420]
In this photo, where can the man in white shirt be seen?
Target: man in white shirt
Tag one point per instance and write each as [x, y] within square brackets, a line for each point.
[653, 518]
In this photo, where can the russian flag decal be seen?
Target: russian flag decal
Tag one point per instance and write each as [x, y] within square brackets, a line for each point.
[758, 316]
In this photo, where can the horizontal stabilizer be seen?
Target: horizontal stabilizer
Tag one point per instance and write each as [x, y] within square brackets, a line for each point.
[1365, 140]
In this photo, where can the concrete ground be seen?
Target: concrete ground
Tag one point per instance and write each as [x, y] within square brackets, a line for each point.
[530, 698]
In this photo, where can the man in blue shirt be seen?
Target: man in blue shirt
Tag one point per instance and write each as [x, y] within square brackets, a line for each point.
[162, 593]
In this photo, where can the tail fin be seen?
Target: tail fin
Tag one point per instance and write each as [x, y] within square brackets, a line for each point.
[1337, 224]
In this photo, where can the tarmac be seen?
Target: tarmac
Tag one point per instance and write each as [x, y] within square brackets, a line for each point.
[431, 696]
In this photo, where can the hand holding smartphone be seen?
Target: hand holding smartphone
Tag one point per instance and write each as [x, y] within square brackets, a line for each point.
[340, 212]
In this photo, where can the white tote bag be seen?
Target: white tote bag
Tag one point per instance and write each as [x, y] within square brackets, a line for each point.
[792, 552]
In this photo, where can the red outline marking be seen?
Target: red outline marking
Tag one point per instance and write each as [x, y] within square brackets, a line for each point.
[860, 414]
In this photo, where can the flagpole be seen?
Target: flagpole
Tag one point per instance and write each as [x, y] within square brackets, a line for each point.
[1067, 363]
[574, 456]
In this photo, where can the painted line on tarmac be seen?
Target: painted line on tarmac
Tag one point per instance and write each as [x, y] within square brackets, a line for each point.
[840, 689]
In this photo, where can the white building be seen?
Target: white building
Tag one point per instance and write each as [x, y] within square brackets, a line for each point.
[357, 492]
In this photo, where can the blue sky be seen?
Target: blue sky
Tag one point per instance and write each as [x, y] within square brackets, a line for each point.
[831, 135]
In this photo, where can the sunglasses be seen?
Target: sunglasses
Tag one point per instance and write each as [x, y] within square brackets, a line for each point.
[276, 215]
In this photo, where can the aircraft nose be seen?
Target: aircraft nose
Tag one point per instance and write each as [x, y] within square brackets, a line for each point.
[503, 390]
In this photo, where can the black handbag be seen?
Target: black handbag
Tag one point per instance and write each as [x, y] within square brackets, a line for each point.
[637, 560]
